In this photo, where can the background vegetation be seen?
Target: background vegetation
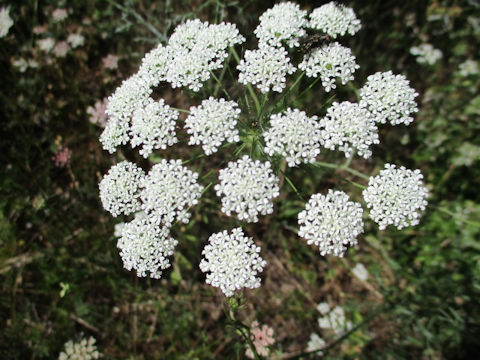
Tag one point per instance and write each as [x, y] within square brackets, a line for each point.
[61, 276]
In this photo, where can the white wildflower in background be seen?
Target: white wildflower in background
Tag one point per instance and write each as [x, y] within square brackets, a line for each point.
[335, 20]
[22, 65]
[323, 308]
[75, 40]
[426, 54]
[6, 21]
[389, 97]
[360, 272]
[145, 247]
[466, 154]
[283, 22]
[247, 187]
[83, 350]
[134, 93]
[329, 62]
[197, 49]
[266, 67]
[59, 15]
[315, 343]
[349, 128]
[46, 44]
[39, 29]
[395, 197]
[119, 189]
[212, 123]
[331, 222]
[61, 49]
[293, 135]
[169, 189]
[336, 321]
[153, 127]
[232, 262]
[469, 67]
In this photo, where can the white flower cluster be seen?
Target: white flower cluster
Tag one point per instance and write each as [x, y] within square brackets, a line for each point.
[360, 271]
[144, 246]
[153, 126]
[426, 54]
[120, 188]
[83, 350]
[389, 97]
[283, 22]
[469, 67]
[194, 50]
[331, 222]
[247, 187]
[315, 343]
[293, 135]
[232, 262]
[133, 94]
[266, 67]
[168, 190]
[212, 123]
[395, 197]
[330, 61]
[334, 20]
[6, 21]
[335, 320]
[350, 128]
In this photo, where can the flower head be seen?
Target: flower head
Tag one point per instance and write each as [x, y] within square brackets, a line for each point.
[329, 62]
[247, 187]
[75, 40]
[266, 67]
[426, 54]
[395, 197]
[168, 190]
[331, 222]
[97, 113]
[59, 15]
[360, 271]
[83, 350]
[153, 127]
[349, 128]
[194, 50]
[212, 123]
[119, 189]
[469, 67]
[293, 135]
[145, 247]
[133, 94]
[389, 97]
[6, 21]
[61, 49]
[232, 262]
[283, 22]
[262, 338]
[334, 20]
[46, 44]
[336, 321]
[110, 61]
[315, 343]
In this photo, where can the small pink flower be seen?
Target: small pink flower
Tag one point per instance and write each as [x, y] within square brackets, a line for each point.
[59, 14]
[262, 337]
[62, 157]
[110, 61]
[61, 49]
[97, 113]
[39, 29]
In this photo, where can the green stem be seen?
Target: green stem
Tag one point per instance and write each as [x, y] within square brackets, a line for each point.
[219, 84]
[180, 110]
[281, 102]
[341, 167]
[455, 216]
